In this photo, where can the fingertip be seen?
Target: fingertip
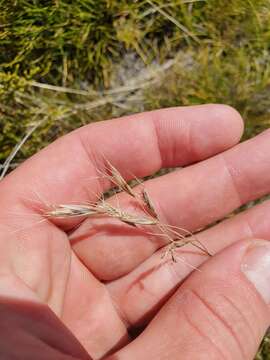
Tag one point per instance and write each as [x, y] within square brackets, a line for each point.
[224, 129]
[231, 118]
[256, 267]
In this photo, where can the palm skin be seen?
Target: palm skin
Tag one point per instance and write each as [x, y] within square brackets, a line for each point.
[102, 278]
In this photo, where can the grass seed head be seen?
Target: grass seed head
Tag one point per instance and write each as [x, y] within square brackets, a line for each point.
[118, 180]
[148, 202]
[63, 211]
[176, 237]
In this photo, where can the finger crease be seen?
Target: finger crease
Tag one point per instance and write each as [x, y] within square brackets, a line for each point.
[235, 187]
[222, 320]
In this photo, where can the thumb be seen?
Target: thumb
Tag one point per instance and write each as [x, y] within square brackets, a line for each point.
[220, 312]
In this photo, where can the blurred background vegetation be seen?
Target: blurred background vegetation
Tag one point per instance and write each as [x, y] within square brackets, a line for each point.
[65, 63]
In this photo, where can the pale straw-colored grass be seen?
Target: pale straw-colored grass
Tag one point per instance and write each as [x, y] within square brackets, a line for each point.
[174, 236]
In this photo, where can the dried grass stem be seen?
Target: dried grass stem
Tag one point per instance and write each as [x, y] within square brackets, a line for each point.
[176, 236]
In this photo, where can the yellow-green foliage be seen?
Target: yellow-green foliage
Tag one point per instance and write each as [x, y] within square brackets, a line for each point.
[221, 49]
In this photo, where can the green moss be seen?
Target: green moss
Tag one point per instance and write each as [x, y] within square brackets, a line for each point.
[264, 352]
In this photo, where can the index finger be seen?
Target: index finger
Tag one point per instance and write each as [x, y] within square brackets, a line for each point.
[66, 171]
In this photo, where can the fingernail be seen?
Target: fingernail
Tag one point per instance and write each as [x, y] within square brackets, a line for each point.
[256, 267]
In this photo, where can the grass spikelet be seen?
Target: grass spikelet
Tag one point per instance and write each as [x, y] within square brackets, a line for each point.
[177, 237]
[148, 203]
[117, 179]
[68, 210]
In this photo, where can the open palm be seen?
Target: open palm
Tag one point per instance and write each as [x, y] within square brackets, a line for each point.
[104, 279]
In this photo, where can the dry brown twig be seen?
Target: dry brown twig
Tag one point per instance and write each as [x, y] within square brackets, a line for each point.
[176, 236]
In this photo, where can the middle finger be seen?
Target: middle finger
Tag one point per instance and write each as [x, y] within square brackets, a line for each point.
[190, 198]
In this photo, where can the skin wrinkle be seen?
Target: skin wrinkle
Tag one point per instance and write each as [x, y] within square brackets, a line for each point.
[195, 150]
[139, 280]
[66, 286]
[49, 275]
[137, 284]
[189, 142]
[202, 334]
[221, 320]
[120, 312]
[162, 125]
[155, 129]
[53, 275]
[248, 226]
[235, 187]
[14, 280]
[157, 125]
[32, 282]
[244, 319]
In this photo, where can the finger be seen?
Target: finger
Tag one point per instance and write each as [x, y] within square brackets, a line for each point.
[221, 312]
[156, 279]
[30, 330]
[190, 198]
[66, 171]
[90, 314]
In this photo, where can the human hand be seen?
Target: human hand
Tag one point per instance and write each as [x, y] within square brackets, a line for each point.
[103, 280]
